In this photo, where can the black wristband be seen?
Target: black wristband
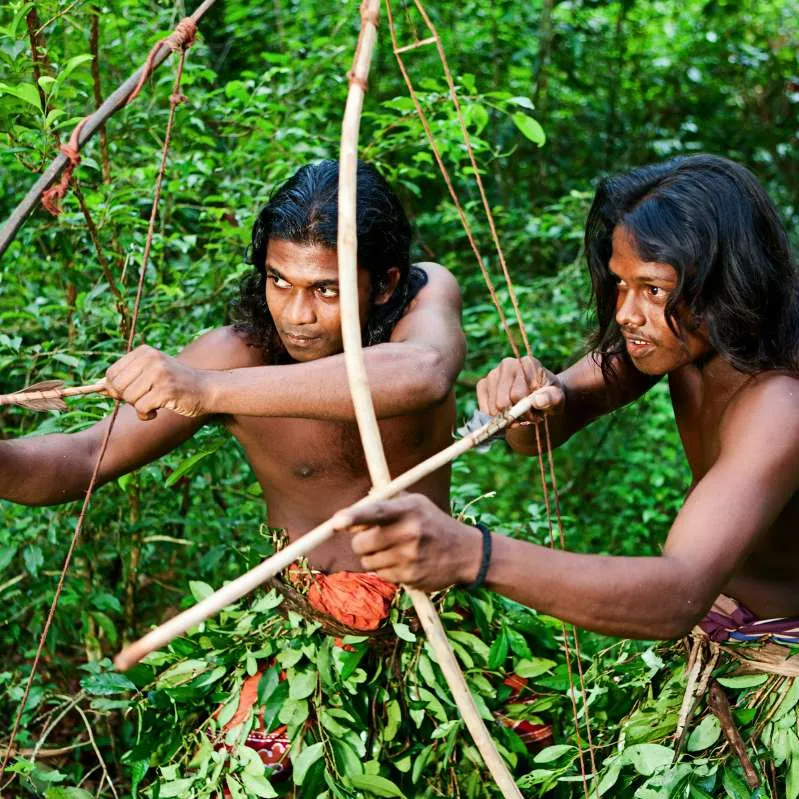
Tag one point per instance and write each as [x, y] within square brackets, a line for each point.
[485, 560]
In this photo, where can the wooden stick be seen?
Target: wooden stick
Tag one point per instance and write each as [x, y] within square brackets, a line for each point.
[24, 396]
[347, 247]
[258, 575]
[720, 706]
[92, 124]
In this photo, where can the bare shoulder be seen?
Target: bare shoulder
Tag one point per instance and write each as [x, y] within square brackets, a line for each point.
[765, 409]
[222, 348]
[441, 284]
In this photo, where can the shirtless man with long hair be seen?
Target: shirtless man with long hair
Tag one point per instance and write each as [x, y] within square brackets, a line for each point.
[694, 280]
[276, 378]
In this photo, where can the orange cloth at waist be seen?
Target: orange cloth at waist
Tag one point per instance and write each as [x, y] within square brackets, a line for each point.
[358, 599]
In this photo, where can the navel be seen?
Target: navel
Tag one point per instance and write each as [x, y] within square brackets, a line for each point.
[304, 471]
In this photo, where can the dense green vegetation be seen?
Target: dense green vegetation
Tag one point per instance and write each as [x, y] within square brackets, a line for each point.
[610, 84]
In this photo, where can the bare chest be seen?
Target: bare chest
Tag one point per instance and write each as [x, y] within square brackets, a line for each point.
[314, 450]
[699, 408]
[308, 469]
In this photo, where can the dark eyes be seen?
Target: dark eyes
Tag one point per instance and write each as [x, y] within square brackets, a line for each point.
[325, 292]
[278, 281]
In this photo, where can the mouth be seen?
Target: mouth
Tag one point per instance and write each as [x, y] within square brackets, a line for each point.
[297, 340]
[638, 347]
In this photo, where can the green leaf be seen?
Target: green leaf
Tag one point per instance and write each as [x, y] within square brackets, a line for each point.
[106, 602]
[524, 102]
[476, 115]
[789, 701]
[530, 128]
[73, 64]
[181, 672]
[704, 735]
[529, 669]
[175, 788]
[189, 463]
[33, 557]
[744, 681]
[551, 753]
[403, 631]
[394, 714]
[471, 642]
[229, 708]
[734, 785]
[611, 775]
[499, 651]
[274, 703]
[67, 793]
[301, 684]
[107, 684]
[646, 759]
[306, 758]
[200, 590]
[792, 778]
[294, 712]
[26, 92]
[379, 786]
[257, 784]
[6, 556]
[137, 771]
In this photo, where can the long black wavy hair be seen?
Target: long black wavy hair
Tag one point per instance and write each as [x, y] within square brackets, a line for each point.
[710, 219]
[304, 210]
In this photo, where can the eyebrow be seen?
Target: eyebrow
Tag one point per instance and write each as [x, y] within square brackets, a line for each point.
[319, 284]
[652, 277]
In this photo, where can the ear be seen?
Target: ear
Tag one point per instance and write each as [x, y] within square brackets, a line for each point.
[387, 285]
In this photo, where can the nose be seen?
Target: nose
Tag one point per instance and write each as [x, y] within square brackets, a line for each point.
[628, 312]
[299, 309]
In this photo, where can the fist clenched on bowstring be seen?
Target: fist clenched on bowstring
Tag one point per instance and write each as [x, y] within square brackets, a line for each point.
[148, 380]
[513, 380]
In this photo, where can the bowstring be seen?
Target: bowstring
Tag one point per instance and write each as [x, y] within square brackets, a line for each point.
[175, 99]
[435, 38]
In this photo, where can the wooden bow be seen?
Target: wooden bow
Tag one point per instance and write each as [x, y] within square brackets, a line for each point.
[347, 247]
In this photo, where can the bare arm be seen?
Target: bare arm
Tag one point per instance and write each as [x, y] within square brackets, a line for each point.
[47, 470]
[727, 513]
[416, 369]
[571, 400]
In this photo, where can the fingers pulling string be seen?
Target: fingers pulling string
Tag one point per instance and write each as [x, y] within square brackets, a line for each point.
[435, 38]
[179, 41]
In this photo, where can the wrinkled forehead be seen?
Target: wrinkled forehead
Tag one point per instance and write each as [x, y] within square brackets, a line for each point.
[302, 263]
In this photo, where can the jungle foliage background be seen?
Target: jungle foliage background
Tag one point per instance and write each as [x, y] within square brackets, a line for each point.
[556, 93]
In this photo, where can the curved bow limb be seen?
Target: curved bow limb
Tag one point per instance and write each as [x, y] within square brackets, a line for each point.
[361, 395]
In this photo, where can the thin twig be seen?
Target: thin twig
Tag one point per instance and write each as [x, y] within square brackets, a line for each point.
[97, 752]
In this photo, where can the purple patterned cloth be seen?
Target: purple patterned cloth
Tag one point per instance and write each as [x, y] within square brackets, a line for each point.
[729, 620]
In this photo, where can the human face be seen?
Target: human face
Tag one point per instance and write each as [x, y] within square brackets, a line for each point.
[302, 293]
[644, 287]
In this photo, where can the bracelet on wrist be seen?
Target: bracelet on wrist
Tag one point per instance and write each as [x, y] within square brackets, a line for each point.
[485, 558]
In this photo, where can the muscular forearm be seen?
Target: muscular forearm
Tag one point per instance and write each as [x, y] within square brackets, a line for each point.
[403, 378]
[44, 470]
[646, 597]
